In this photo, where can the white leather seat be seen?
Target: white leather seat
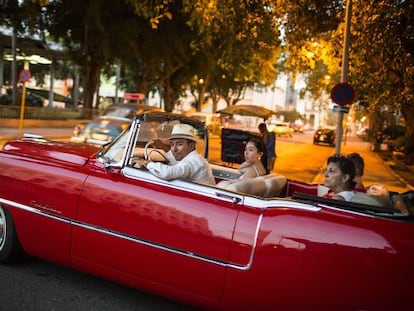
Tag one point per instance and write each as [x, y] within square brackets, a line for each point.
[263, 186]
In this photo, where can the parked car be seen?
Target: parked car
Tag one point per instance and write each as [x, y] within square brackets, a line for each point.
[281, 129]
[31, 100]
[114, 120]
[297, 127]
[324, 136]
[363, 132]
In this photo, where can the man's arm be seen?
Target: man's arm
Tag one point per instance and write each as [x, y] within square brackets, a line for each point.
[168, 172]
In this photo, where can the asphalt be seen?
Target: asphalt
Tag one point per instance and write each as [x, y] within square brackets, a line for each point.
[377, 171]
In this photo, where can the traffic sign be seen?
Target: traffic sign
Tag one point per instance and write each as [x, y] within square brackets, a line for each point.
[344, 109]
[342, 94]
[24, 75]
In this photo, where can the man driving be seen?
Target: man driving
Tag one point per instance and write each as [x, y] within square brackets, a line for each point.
[184, 161]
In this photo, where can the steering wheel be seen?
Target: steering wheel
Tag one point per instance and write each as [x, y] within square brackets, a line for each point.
[147, 153]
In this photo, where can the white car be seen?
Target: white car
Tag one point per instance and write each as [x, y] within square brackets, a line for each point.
[281, 129]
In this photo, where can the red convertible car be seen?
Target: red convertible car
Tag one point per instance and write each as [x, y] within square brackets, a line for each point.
[206, 246]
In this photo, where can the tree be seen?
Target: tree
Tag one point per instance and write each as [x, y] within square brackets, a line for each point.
[89, 30]
[382, 65]
[381, 52]
[236, 42]
[241, 45]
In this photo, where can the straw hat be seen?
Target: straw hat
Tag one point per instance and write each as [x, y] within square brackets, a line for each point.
[185, 131]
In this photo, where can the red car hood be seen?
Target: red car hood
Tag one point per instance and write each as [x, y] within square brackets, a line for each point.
[48, 150]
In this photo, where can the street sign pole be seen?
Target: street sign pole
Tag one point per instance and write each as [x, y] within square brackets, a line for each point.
[22, 109]
[24, 76]
[344, 73]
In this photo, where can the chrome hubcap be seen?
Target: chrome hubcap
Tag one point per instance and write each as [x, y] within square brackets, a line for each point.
[2, 228]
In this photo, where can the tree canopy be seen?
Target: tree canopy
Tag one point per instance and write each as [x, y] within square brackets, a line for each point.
[219, 48]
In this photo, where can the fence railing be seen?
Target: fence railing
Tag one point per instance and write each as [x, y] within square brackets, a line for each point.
[45, 113]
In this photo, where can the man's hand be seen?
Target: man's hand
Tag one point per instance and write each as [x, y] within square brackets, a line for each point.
[141, 163]
[159, 144]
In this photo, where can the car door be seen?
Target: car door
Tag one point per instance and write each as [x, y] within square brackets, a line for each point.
[177, 234]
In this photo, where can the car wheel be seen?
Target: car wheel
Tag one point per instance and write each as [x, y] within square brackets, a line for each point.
[10, 249]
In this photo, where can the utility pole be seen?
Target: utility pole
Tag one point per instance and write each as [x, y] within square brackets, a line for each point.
[344, 71]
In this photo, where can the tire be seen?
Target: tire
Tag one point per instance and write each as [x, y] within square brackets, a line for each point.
[10, 248]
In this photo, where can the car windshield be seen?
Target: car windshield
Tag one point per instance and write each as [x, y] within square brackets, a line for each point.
[120, 112]
[151, 127]
[115, 151]
[158, 126]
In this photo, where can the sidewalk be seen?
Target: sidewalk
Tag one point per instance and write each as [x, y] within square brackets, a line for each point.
[55, 133]
[376, 170]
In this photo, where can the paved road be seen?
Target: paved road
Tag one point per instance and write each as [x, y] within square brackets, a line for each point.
[36, 285]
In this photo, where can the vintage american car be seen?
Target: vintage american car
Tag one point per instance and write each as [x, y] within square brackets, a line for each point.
[113, 121]
[206, 246]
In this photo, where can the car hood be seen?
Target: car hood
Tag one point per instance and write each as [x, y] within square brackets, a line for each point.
[47, 150]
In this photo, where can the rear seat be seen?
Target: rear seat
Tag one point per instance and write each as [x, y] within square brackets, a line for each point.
[263, 186]
[293, 186]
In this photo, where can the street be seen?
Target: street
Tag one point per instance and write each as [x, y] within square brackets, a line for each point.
[39, 285]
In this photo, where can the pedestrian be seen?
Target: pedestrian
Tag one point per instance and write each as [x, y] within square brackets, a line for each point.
[269, 139]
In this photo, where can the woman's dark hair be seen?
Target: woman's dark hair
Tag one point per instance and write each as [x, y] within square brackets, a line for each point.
[358, 162]
[261, 147]
[346, 166]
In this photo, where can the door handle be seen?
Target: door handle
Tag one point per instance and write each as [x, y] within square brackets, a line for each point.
[228, 197]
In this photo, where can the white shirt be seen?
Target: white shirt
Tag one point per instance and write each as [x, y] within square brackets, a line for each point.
[192, 167]
[347, 195]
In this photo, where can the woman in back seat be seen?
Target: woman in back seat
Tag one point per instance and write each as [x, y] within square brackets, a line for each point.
[253, 154]
[254, 179]
[339, 178]
[252, 166]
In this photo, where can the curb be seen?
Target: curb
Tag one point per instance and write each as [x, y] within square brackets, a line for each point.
[402, 180]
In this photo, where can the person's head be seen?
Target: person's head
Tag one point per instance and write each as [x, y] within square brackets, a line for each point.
[358, 163]
[254, 150]
[182, 140]
[262, 128]
[380, 193]
[340, 174]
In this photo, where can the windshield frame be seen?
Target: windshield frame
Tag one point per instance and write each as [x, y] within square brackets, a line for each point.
[120, 151]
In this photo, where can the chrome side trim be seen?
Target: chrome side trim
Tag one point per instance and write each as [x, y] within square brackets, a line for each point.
[138, 240]
[256, 236]
[34, 210]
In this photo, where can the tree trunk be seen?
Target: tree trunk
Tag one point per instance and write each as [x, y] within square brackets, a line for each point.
[90, 82]
[376, 128]
[408, 113]
[168, 96]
